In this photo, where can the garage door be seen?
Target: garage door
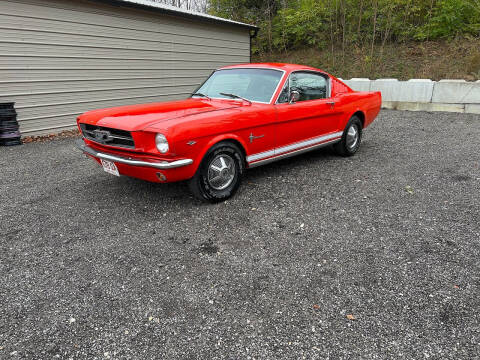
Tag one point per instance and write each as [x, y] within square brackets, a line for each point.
[61, 58]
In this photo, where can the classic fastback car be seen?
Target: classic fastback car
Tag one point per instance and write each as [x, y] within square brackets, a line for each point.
[242, 116]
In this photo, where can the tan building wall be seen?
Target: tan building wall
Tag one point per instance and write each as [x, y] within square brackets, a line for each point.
[60, 58]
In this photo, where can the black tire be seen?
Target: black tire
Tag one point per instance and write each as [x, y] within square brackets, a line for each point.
[346, 146]
[202, 185]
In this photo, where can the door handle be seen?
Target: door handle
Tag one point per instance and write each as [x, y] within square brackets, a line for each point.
[331, 103]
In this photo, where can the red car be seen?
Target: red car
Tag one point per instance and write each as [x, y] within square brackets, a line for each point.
[242, 116]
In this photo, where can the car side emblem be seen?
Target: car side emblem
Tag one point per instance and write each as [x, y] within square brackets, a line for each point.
[191, 142]
[253, 137]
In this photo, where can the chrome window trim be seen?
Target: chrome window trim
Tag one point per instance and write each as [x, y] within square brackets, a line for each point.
[243, 68]
[284, 150]
[325, 75]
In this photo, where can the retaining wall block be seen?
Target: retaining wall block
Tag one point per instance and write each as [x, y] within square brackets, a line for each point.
[414, 90]
[388, 87]
[359, 84]
[456, 91]
[472, 108]
[422, 106]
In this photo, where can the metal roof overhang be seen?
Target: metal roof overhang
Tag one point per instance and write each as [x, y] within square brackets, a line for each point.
[175, 11]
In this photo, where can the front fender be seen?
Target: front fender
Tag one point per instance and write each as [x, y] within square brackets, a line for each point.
[196, 149]
[215, 140]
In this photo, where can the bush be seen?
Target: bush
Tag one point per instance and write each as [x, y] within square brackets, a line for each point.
[451, 18]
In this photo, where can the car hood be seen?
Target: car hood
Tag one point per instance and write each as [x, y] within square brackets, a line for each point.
[139, 117]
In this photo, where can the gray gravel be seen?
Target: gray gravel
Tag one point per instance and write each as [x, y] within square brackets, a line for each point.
[94, 266]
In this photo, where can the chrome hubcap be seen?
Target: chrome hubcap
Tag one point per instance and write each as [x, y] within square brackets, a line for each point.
[352, 136]
[221, 172]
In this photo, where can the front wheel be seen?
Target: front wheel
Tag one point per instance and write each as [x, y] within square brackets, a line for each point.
[219, 175]
[351, 138]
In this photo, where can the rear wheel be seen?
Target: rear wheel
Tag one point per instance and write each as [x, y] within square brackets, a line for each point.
[351, 138]
[219, 175]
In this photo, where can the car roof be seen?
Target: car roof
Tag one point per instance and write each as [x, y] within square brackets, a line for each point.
[278, 66]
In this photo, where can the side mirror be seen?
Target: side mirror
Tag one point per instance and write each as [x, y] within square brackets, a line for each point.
[294, 96]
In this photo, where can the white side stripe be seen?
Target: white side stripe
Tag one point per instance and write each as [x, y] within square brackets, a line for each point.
[301, 144]
[261, 155]
[295, 146]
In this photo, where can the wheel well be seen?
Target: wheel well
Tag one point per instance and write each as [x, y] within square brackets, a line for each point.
[361, 116]
[239, 145]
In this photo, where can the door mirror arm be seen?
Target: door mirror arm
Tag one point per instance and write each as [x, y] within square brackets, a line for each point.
[294, 97]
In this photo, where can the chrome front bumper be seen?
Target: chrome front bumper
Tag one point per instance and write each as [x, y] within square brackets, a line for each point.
[131, 161]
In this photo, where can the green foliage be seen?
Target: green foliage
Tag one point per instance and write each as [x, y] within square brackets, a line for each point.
[294, 24]
[452, 17]
[302, 25]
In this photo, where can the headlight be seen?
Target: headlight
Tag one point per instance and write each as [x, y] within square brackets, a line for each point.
[162, 143]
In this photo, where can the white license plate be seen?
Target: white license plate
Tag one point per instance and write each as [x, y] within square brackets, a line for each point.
[110, 167]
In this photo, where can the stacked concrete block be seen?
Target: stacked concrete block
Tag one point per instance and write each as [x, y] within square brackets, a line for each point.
[389, 88]
[415, 90]
[423, 94]
[472, 108]
[359, 84]
[457, 92]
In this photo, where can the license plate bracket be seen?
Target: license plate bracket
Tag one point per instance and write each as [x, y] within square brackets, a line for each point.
[110, 167]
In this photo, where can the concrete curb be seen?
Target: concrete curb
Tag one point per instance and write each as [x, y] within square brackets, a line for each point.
[423, 94]
[418, 106]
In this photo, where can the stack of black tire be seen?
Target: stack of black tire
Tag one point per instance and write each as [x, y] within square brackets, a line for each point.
[9, 129]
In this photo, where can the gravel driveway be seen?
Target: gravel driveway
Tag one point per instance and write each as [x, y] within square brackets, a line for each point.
[316, 257]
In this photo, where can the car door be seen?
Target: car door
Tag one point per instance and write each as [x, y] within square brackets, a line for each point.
[312, 119]
[255, 119]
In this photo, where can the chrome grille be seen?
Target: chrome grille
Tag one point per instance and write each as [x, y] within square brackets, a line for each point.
[108, 136]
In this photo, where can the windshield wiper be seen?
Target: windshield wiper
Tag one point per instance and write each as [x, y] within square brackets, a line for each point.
[236, 97]
[201, 95]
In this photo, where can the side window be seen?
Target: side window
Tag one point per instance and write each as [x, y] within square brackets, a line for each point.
[310, 86]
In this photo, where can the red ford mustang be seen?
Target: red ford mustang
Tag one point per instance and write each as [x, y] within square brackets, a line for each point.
[242, 116]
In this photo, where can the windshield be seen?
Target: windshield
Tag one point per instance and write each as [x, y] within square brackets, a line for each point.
[252, 84]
